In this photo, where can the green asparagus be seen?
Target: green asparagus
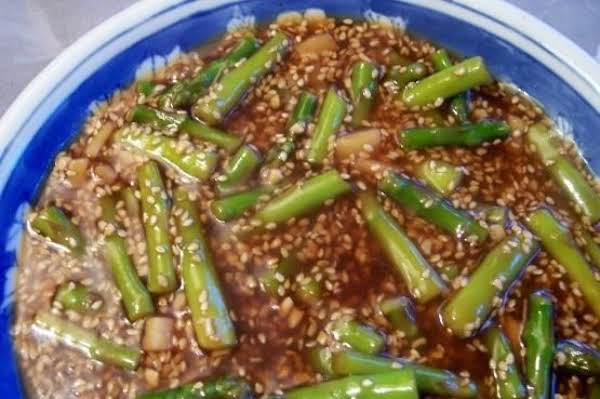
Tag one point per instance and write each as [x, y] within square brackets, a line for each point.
[55, 226]
[239, 169]
[78, 297]
[465, 313]
[88, 342]
[558, 241]
[538, 338]
[226, 92]
[331, 117]
[308, 290]
[363, 85]
[178, 154]
[441, 176]
[303, 198]
[431, 207]
[134, 295]
[149, 88]
[234, 206]
[221, 388]
[156, 118]
[400, 312]
[358, 336]
[466, 135]
[458, 104]
[398, 384]
[577, 357]
[184, 94]
[563, 172]
[503, 364]
[591, 248]
[421, 279]
[132, 204]
[161, 270]
[449, 82]
[210, 316]
[429, 380]
[272, 279]
[404, 74]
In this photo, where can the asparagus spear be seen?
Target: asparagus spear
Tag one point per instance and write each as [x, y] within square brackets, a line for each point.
[363, 85]
[210, 316]
[558, 241]
[400, 312]
[136, 298]
[156, 118]
[88, 342]
[320, 360]
[504, 369]
[442, 176]
[563, 172]
[358, 336]
[421, 279]
[449, 82]
[239, 169]
[220, 388]
[431, 207]
[178, 154]
[302, 114]
[184, 94]
[404, 74]
[227, 92]
[429, 380]
[464, 314]
[303, 198]
[578, 358]
[228, 141]
[161, 271]
[234, 206]
[458, 104]
[132, 204]
[538, 337]
[78, 297]
[331, 117]
[466, 135]
[398, 384]
[54, 225]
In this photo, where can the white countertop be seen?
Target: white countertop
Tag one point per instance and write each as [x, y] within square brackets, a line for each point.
[33, 32]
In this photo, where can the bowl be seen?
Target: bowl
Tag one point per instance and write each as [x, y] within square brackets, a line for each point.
[45, 118]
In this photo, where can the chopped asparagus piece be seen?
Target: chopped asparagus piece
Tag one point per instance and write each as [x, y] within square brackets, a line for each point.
[271, 280]
[78, 297]
[199, 130]
[363, 85]
[466, 135]
[429, 380]
[449, 82]
[331, 117]
[320, 360]
[54, 225]
[421, 279]
[88, 342]
[239, 169]
[538, 337]
[210, 316]
[358, 336]
[221, 388]
[156, 118]
[578, 358]
[431, 207]
[304, 197]
[559, 243]
[161, 270]
[572, 182]
[228, 91]
[470, 307]
[234, 206]
[503, 364]
[308, 290]
[404, 74]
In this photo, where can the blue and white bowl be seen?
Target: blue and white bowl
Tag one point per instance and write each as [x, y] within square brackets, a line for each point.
[45, 118]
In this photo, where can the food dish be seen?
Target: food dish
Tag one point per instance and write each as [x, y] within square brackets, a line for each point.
[314, 155]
